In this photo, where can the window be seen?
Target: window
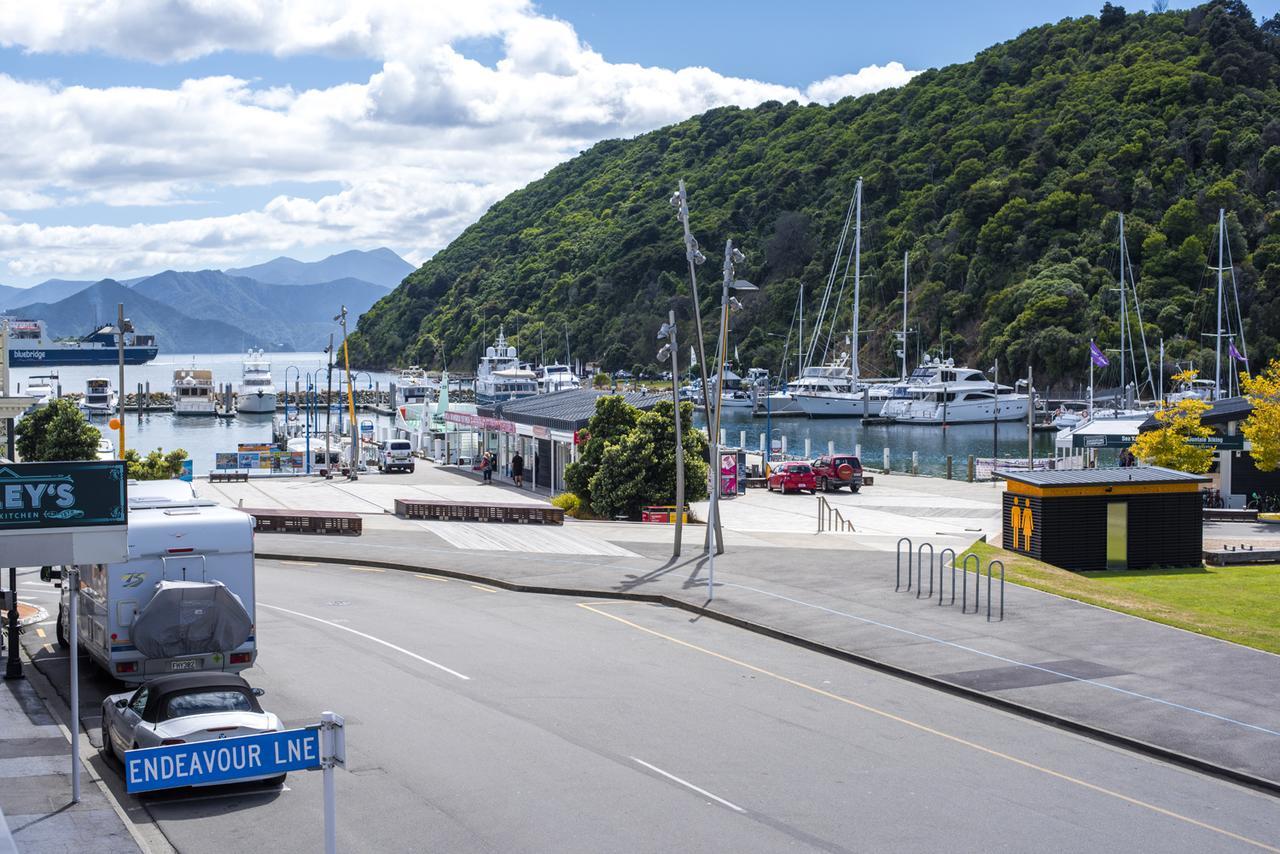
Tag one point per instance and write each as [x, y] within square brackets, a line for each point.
[207, 702]
[800, 469]
[139, 701]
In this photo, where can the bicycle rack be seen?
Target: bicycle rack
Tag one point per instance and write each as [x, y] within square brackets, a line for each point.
[942, 565]
[897, 584]
[964, 582]
[989, 565]
[920, 569]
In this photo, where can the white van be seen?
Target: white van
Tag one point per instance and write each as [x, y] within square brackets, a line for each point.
[183, 601]
[394, 455]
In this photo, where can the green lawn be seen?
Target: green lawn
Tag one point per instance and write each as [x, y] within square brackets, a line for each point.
[1238, 603]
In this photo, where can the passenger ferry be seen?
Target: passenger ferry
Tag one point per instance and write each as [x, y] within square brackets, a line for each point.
[31, 346]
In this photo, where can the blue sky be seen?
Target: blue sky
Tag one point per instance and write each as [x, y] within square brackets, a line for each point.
[129, 148]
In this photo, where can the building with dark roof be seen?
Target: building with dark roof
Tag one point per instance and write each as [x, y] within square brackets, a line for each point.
[543, 430]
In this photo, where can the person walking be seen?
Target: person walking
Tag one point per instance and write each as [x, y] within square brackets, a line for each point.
[517, 469]
[487, 467]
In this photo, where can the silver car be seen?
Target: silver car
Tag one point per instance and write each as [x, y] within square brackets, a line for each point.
[185, 707]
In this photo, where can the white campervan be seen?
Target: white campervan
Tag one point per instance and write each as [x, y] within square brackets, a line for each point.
[183, 601]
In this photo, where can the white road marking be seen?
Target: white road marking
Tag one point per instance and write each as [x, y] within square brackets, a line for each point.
[689, 785]
[541, 539]
[387, 644]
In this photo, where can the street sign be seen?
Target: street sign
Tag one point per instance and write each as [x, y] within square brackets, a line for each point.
[222, 760]
[61, 495]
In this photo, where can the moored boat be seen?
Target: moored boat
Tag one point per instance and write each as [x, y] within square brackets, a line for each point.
[193, 392]
[30, 345]
[257, 392]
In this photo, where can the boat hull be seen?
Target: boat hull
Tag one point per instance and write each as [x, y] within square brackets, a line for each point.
[254, 402]
[839, 406]
[29, 357]
[917, 413]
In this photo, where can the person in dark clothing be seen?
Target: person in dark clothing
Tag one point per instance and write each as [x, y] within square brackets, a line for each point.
[486, 466]
[517, 469]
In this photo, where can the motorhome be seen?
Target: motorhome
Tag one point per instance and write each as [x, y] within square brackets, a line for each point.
[183, 601]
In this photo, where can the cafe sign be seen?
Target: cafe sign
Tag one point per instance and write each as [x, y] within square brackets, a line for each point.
[48, 496]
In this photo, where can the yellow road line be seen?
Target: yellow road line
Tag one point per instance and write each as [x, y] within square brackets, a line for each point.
[368, 569]
[40, 632]
[430, 577]
[932, 731]
[485, 589]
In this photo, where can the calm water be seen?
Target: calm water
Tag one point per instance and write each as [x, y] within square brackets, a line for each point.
[200, 437]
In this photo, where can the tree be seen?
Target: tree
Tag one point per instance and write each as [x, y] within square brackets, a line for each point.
[1111, 15]
[57, 432]
[1262, 427]
[157, 465]
[613, 419]
[1167, 445]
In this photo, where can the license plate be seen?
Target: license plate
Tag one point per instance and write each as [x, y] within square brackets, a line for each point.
[189, 664]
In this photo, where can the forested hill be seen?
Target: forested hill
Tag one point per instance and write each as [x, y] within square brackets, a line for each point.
[1001, 177]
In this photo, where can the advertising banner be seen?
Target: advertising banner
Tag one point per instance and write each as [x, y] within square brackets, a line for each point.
[62, 495]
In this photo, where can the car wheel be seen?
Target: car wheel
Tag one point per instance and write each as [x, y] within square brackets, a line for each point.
[825, 485]
[853, 489]
[60, 631]
[108, 749]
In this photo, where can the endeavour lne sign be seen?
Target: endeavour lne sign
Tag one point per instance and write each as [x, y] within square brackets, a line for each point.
[63, 512]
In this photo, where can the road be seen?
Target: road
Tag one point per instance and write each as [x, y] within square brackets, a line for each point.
[481, 720]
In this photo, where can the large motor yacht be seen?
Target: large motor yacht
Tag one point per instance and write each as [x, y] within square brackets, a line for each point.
[257, 393]
[500, 375]
[193, 392]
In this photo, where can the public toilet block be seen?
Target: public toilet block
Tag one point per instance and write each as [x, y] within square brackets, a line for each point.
[1115, 518]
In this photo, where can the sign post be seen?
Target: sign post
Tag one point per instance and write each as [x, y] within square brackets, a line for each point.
[73, 579]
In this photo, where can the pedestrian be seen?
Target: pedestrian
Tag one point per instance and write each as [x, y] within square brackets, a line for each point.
[517, 469]
[487, 466]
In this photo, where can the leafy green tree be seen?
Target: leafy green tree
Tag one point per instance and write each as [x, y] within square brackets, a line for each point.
[57, 432]
[613, 419]
[1262, 427]
[157, 465]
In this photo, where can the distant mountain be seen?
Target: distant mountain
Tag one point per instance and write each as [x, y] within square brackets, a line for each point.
[288, 317]
[175, 332]
[380, 266]
[48, 291]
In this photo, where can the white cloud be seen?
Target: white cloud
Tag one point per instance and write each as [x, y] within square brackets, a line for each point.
[420, 149]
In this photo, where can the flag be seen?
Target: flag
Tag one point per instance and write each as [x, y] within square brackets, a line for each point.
[1097, 356]
[693, 360]
[1235, 354]
[736, 357]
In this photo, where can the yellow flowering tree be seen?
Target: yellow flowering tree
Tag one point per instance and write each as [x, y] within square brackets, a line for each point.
[1262, 427]
[1167, 445]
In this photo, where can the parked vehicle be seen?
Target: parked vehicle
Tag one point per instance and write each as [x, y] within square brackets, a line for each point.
[395, 455]
[184, 708]
[833, 472]
[184, 599]
[792, 476]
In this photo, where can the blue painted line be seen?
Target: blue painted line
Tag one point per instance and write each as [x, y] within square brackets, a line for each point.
[1042, 669]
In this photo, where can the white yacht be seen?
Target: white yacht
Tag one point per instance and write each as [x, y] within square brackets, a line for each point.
[968, 400]
[43, 387]
[106, 449]
[193, 392]
[99, 397]
[257, 393]
[828, 391]
[557, 377]
[500, 375]
[412, 387]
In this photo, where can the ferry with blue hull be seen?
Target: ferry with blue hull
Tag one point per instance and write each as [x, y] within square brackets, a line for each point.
[31, 346]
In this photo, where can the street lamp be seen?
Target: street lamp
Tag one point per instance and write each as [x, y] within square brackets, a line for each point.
[123, 325]
[668, 333]
[341, 317]
[286, 394]
[732, 257]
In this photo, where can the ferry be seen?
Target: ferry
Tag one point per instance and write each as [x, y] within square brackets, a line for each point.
[31, 346]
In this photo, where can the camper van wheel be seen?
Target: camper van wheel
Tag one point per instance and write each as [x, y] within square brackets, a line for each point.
[60, 631]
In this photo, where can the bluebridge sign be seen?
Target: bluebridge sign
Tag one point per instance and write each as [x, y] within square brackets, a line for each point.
[61, 495]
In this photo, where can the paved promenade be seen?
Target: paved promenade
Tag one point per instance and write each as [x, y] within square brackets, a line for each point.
[1205, 699]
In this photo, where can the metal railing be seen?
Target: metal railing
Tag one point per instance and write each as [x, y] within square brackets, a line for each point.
[830, 518]
[916, 565]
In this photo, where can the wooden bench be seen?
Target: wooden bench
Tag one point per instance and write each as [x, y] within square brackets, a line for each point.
[1226, 514]
[288, 521]
[477, 511]
[228, 477]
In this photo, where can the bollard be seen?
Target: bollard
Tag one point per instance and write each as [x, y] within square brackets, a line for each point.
[948, 467]
[971, 468]
[857, 450]
[897, 584]
[942, 565]
[831, 448]
[784, 446]
[915, 463]
[920, 570]
[722, 437]
[964, 582]
[886, 460]
[807, 446]
[763, 452]
[742, 438]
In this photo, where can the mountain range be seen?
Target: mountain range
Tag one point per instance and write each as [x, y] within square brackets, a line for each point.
[215, 311]
[1002, 181]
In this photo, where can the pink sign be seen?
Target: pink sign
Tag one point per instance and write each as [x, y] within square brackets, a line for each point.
[480, 422]
[728, 474]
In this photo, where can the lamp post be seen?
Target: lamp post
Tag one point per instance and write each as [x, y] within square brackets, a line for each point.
[732, 257]
[123, 325]
[341, 317]
[680, 201]
[668, 332]
[286, 394]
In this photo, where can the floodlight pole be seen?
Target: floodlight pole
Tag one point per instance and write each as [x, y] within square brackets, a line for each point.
[675, 399]
[120, 353]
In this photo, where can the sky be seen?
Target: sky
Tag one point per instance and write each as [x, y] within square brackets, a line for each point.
[143, 135]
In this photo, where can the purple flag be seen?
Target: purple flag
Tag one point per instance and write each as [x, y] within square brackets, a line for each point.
[1097, 356]
[1235, 354]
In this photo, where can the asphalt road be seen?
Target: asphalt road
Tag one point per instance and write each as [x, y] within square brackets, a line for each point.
[481, 720]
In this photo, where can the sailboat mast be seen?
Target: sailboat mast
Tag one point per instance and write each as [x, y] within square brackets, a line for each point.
[1217, 342]
[904, 315]
[1124, 309]
[857, 283]
[800, 343]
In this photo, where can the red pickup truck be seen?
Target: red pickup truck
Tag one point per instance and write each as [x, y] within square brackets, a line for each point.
[835, 472]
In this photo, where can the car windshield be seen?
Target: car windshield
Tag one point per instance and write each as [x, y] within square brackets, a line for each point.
[207, 702]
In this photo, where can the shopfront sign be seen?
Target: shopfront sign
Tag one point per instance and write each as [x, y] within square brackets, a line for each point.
[480, 422]
[62, 495]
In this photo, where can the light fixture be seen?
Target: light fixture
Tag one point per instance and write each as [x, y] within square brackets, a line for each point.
[743, 285]
[735, 304]
[738, 257]
[665, 331]
[664, 352]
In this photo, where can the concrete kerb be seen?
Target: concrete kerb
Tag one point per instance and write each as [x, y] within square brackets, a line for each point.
[1125, 742]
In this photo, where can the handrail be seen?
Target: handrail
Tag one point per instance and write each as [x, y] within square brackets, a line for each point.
[834, 520]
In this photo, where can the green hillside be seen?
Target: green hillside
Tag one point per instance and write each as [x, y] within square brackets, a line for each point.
[1002, 177]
